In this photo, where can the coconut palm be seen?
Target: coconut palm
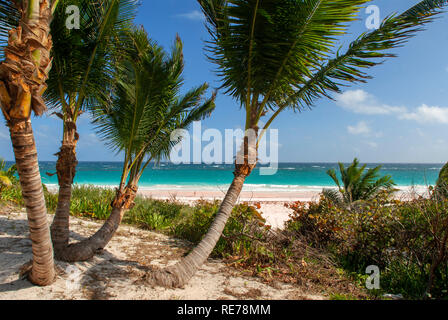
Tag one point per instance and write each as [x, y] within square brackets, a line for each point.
[23, 73]
[144, 110]
[7, 176]
[357, 184]
[81, 71]
[274, 55]
[441, 188]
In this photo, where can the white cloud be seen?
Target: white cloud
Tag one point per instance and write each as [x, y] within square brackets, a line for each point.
[362, 102]
[192, 15]
[427, 114]
[360, 128]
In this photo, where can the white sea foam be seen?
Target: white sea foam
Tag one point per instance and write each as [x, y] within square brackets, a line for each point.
[419, 189]
[247, 187]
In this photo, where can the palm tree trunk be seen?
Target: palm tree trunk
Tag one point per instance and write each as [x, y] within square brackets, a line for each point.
[23, 74]
[86, 249]
[66, 170]
[42, 270]
[178, 275]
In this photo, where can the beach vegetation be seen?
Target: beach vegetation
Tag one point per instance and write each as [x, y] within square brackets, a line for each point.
[357, 184]
[7, 175]
[407, 240]
[11, 195]
[442, 182]
[247, 244]
[10, 192]
[323, 245]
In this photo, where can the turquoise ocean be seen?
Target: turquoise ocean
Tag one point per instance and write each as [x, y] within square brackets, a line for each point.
[289, 177]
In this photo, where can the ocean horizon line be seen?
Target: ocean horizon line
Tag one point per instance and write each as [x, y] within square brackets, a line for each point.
[280, 162]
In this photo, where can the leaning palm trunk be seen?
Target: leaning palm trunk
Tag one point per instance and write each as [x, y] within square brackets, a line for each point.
[66, 170]
[23, 74]
[86, 249]
[179, 274]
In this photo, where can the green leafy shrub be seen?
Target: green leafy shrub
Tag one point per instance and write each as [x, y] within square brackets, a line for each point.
[193, 222]
[248, 243]
[244, 235]
[91, 201]
[408, 240]
[359, 236]
[421, 248]
[317, 222]
[244, 225]
[153, 214]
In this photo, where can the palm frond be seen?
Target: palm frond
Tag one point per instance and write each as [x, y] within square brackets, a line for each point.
[334, 196]
[368, 50]
[332, 174]
[9, 19]
[82, 57]
[359, 184]
[146, 106]
[269, 46]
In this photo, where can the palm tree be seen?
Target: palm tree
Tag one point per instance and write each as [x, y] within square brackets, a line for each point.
[81, 71]
[274, 55]
[357, 184]
[144, 110]
[7, 176]
[23, 74]
[441, 188]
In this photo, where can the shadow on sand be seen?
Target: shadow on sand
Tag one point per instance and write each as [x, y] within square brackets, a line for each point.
[95, 275]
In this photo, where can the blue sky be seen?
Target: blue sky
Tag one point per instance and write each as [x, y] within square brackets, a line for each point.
[401, 115]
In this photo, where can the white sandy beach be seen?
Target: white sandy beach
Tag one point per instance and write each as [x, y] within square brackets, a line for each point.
[246, 196]
[118, 272]
[272, 204]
